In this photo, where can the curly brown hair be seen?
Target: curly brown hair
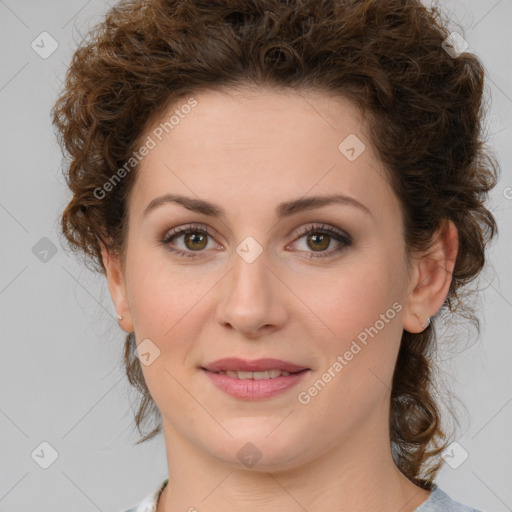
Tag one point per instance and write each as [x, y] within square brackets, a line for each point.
[422, 105]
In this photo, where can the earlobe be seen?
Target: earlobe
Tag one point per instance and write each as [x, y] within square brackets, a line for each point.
[431, 279]
[117, 288]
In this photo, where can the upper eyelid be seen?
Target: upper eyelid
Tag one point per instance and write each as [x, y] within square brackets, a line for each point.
[321, 226]
[179, 231]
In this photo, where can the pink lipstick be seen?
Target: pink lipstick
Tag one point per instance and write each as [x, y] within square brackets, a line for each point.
[253, 380]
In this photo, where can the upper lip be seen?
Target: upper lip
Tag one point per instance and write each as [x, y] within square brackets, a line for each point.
[258, 365]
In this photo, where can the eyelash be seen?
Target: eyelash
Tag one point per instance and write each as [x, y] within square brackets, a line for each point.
[339, 236]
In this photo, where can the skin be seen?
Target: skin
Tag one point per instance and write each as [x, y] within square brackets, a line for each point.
[247, 151]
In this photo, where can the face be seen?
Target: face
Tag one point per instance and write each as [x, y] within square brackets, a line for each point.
[322, 286]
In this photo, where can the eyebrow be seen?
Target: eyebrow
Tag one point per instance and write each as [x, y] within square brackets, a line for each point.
[285, 209]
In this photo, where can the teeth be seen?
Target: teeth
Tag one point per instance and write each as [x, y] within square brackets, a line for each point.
[247, 375]
[267, 374]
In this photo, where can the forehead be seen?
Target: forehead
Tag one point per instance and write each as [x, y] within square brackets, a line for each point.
[256, 148]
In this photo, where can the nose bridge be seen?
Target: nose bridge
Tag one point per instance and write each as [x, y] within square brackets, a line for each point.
[250, 299]
[250, 284]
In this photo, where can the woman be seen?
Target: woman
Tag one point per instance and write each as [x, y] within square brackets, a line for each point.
[285, 197]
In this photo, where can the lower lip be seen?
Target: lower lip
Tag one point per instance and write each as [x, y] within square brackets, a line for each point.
[250, 389]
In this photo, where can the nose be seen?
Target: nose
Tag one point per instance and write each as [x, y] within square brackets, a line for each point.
[252, 298]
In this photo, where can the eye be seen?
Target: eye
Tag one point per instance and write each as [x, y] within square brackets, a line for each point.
[195, 239]
[319, 237]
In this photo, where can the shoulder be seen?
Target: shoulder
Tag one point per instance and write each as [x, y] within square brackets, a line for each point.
[149, 502]
[440, 501]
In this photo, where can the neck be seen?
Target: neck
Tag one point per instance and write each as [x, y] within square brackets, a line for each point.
[356, 475]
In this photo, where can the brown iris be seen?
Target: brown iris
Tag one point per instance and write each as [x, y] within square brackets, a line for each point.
[197, 241]
[321, 241]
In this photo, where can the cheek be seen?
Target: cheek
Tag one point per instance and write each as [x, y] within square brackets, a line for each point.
[362, 308]
[352, 299]
[167, 305]
[168, 308]
[164, 297]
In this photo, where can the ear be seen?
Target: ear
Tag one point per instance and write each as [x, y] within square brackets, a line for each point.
[431, 278]
[117, 287]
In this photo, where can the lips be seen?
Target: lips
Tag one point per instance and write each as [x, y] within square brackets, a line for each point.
[254, 380]
[234, 364]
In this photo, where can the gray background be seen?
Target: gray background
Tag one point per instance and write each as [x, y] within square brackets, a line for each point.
[61, 376]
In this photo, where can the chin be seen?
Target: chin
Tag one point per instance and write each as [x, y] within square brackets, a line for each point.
[257, 446]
